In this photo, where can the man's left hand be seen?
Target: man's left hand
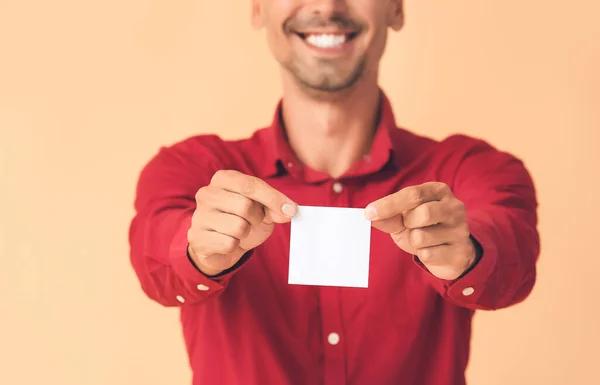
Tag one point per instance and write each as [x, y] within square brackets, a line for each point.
[430, 222]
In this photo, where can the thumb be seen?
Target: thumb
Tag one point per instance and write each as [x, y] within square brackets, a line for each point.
[288, 210]
[390, 225]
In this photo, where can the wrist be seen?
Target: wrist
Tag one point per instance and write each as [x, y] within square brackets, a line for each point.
[194, 260]
[475, 254]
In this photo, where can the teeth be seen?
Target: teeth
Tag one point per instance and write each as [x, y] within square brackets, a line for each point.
[326, 40]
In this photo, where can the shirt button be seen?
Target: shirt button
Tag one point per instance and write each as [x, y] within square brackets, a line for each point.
[468, 291]
[180, 299]
[290, 164]
[202, 287]
[333, 338]
[337, 187]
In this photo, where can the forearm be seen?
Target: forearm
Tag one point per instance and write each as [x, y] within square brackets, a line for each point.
[505, 272]
[501, 212]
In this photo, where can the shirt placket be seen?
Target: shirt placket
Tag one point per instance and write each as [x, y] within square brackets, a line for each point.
[334, 344]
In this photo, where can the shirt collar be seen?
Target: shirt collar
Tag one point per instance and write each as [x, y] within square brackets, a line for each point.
[280, 158]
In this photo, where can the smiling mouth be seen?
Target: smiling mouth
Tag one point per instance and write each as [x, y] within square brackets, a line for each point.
[326, 40]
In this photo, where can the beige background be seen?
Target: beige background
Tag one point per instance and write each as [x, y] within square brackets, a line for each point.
[90, 89]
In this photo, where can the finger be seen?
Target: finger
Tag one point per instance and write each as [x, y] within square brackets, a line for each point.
[211, 243]
[427, 214]
[431, 236]
[228, 224]
[406, 199]
[232, 203]
[281, 208]
[401, 239]
[438, 235]
[390, 225]
[435, 255]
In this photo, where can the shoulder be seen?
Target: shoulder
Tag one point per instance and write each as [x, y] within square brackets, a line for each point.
[458, 149]
[458, 157]
[472, 164]
[476, 155]
[468, 145]
[209, 152]
[449, 151]
[452, 144]
[181, 168]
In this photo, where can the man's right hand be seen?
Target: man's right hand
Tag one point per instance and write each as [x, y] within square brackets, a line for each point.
[234, 213]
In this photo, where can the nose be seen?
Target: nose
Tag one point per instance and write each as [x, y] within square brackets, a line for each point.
[327, 8]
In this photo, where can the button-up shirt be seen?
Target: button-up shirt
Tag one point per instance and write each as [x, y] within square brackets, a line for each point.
[248, 326]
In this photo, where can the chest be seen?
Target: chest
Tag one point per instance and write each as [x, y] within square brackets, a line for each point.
[396, 284]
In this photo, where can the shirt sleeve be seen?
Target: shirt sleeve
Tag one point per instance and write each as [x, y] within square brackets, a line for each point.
[164, 204]
[501, 205]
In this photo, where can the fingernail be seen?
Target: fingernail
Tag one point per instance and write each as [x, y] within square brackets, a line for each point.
[288, 209]
[370, 213]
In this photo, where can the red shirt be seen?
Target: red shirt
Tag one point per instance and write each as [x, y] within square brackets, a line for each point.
[250, 327]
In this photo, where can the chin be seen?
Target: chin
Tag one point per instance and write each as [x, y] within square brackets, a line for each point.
[327, 89]
[333, 82]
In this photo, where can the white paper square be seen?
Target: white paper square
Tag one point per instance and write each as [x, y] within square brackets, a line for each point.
[330, 246]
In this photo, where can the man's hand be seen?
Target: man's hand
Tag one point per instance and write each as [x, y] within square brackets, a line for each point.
[234, 213]
[430, 222]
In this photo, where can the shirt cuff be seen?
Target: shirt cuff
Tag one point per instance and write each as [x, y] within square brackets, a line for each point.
[468, 289]
[182, 265]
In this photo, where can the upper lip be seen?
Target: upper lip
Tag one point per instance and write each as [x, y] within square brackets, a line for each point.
[325, 31]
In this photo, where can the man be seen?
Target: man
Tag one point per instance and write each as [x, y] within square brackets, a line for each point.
[453, 222]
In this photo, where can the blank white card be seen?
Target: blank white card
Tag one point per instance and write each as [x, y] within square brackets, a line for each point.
[329, 246]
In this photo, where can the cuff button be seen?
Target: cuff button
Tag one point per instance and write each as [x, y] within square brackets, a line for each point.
[467, 291]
